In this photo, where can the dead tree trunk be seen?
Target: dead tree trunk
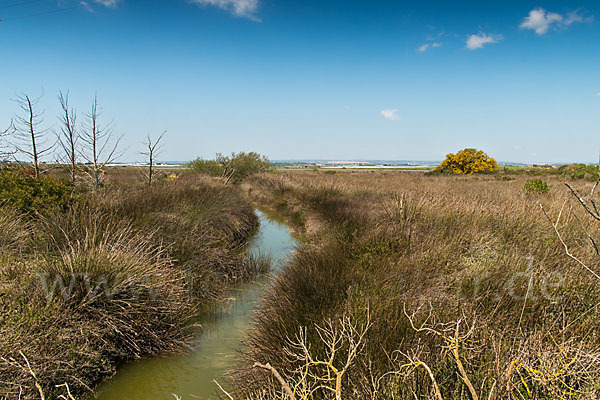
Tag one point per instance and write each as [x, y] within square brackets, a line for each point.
[30, 138]
[99, 148]
[68, 135]
[152, 151]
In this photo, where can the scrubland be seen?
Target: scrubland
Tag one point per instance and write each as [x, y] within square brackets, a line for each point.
[91, 279]
[406, 285]
[431, 287]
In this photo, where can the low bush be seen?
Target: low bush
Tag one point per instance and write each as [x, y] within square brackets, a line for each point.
[586, 172]
[578, 171]
[536, 186]
[207, 167]
[234, 168]
[28, 195]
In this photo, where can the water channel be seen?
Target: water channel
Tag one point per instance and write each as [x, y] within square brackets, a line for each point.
[191, 375]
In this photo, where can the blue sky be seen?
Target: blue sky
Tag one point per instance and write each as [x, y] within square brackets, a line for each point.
[318, 79]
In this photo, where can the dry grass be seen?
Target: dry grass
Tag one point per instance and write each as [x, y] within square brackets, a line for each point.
[490, 296]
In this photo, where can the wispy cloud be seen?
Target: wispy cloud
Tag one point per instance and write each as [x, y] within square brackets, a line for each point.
[598, 94]
[239, 8]
[540, 20]
[432, 39]
[423, 48]
[575, 16]
[391, 114]
[477, 41]
[106, 3]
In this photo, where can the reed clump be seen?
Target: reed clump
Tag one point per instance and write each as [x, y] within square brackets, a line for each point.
[469, 291]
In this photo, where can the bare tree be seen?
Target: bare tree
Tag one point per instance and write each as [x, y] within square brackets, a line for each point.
[152, 151]
[30, 138]
[67, 134]
[99, 145]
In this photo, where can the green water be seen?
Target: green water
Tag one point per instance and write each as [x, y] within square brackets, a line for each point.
[190, 376]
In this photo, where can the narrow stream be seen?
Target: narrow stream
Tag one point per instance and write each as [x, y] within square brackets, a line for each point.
[190, 376]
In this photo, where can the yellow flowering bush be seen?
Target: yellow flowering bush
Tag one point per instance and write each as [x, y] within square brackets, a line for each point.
[467, 161]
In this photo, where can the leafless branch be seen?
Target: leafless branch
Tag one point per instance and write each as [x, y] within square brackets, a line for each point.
[230, 397]
[284, 385]
[412, 364]
[451, 334]
[583, 202]
[4, 151]
[343, 340]
[562, 241]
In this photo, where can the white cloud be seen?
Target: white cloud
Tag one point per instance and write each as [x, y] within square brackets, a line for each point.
[540, 20]
[517, 147]
[423, 48]
[391, 114]
[477, 41]
[239, 8]
[598, 94]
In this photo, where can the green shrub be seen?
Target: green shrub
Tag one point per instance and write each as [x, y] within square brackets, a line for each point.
[571, 171]
[242, 165]
[578, 171]
[29, 195]
[536, 186]
[208, 167]
[235, 167]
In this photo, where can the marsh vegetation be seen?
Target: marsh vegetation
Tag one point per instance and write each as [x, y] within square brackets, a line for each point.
[442, 287]
[93, 278]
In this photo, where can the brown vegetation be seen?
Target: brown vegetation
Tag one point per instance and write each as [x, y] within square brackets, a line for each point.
[467, 288]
